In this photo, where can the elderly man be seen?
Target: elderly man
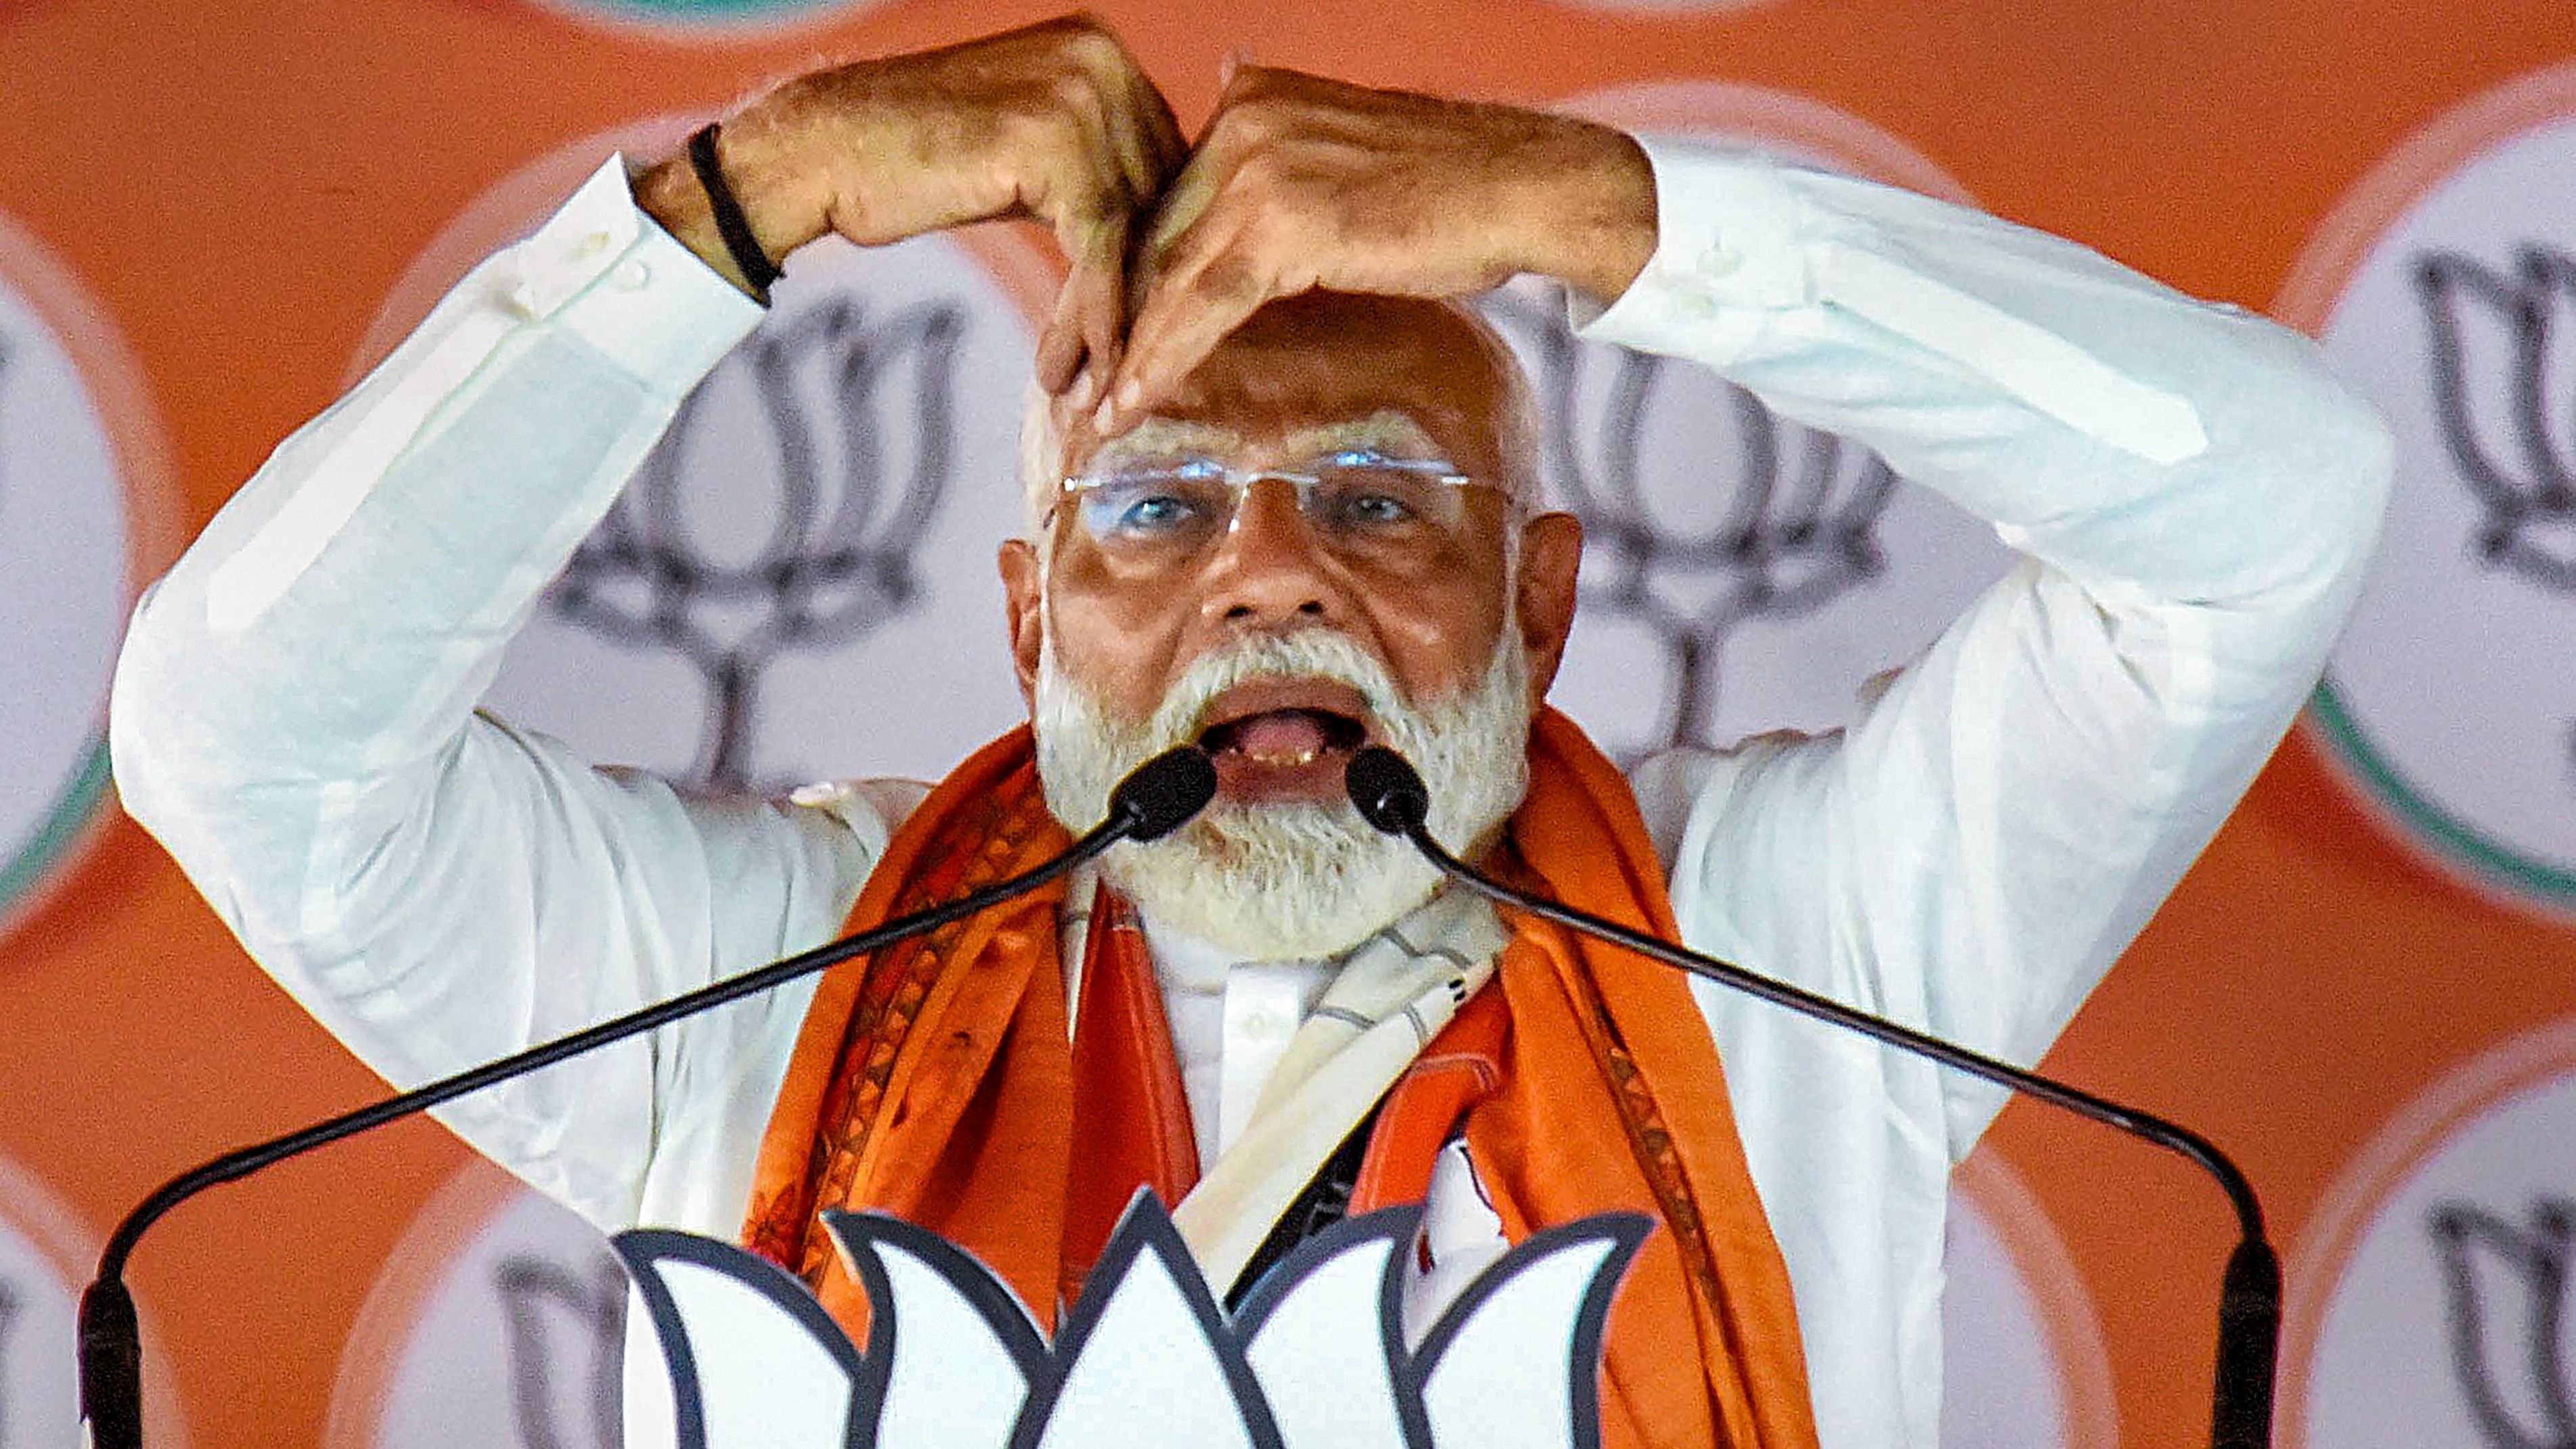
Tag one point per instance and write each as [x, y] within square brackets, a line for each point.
[1282, 502]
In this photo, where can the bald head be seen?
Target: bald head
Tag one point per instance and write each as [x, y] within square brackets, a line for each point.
[1325, 356]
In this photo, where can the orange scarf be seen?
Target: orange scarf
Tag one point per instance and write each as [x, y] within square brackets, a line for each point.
[938, 1085]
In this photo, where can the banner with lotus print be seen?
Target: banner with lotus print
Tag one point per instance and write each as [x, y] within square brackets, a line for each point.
[217, 215]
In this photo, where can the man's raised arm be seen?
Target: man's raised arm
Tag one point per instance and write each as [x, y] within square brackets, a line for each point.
[294, 711]
[2194, 495]
[2194, 499]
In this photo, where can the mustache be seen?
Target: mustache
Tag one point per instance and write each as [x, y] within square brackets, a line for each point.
[1319, 652]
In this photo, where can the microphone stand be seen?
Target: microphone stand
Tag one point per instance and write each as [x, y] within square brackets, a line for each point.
[1157, 798]
[1391, 796]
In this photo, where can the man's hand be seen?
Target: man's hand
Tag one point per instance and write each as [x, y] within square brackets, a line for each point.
[1302, 183]
[1054, 122]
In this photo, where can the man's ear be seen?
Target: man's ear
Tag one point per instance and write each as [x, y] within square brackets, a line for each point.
[1551, 554]
[1024, 604]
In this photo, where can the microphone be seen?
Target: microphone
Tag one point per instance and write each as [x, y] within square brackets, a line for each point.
[1157, 798]
[1389, 794]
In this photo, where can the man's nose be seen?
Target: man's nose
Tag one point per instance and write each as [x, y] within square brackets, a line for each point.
[1270, 568]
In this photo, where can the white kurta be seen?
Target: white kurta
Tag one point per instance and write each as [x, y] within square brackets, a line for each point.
[293, 713]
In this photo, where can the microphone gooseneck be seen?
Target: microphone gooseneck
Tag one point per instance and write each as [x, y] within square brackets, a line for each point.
[1156, 799]
[1389, 795]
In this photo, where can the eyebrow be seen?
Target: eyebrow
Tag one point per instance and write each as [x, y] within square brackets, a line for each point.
[1388, 430]
[1163, 436]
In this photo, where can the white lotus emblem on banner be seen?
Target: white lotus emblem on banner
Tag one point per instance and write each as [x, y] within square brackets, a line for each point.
[1315, 1357]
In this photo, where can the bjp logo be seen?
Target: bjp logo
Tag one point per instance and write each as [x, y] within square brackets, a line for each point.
[2507, 1298]
[2445, 292]
[807, 407]
[786, 579]
[1741, 572]
[1775, 521]
[2520, 464]
[1317, 1355]
[498, 1320]
[564, 1342]
[2433, 1293]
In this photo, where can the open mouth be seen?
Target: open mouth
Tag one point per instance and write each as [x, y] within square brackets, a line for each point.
[1284, 739]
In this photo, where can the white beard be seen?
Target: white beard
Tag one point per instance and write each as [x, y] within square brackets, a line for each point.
[1282, 882]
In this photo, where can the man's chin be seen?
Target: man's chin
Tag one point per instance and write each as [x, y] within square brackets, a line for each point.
[1274, 882]
[1282, 868]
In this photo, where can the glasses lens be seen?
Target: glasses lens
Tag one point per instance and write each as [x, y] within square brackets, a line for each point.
[1164, 511]
[1368, 496]
[1163, 507]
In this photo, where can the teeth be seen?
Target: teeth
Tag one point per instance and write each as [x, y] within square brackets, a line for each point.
[1290, 759]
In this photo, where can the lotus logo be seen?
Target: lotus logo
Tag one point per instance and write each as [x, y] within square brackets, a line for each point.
[1315, 1356]
[1797, 531]
[829, 390]
[565, 1335]
[2507, 1291]
[2515, 326]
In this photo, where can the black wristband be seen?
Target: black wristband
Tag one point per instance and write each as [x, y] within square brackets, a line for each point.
[731, 224]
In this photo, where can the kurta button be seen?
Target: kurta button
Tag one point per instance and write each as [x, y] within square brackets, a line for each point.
[1721, 261]
[632, 276]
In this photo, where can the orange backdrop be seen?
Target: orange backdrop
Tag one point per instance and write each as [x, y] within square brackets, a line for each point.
[239, 183]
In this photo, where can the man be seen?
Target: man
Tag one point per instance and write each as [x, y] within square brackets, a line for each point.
[1282, 502]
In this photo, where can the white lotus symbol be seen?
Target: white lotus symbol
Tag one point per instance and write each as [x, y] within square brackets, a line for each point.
[1314, 1358]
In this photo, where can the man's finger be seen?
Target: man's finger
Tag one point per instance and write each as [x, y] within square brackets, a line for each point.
[1084, 333]
[1187, 200]
[1060, 349]
[1169, 149]
[1184, 316]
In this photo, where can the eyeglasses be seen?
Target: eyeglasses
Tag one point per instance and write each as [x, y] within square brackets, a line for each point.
[1165, 510]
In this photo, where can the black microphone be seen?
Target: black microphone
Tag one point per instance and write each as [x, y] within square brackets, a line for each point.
[1390, 795]
[1159, 797]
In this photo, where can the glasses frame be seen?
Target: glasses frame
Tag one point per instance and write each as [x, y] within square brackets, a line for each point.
[1238, 482]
